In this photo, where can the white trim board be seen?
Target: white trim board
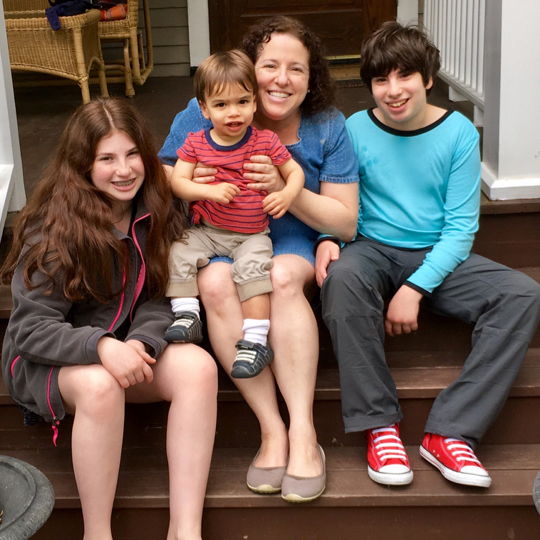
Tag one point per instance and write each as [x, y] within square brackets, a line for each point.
[503, 189]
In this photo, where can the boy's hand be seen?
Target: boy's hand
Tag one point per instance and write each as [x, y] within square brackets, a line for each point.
[402, 314]
[128, 363]
[327, 251]
[222, 193]
[263, 174]
[277, 203]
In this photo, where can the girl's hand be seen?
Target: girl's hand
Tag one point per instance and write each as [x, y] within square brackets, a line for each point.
[223, 193]
[264, 175]
[327, 251]
[127, 362]
[203, 174]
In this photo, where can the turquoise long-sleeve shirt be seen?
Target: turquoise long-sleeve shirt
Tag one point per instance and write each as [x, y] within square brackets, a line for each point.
[419, 189]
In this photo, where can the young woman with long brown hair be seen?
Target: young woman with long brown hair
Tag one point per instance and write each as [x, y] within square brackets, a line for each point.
[88, 271]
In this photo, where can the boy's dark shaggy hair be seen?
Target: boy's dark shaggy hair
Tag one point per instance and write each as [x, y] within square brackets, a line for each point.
[393, 46]
[322, 88]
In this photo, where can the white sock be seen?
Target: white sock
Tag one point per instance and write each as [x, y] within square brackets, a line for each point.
[186, 304]
[256, 330]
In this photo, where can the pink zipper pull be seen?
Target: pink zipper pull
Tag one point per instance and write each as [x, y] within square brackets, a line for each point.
[54, 427]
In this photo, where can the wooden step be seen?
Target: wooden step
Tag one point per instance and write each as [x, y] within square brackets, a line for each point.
[509, 232]
[435, 332]
[418, 382]
[349, 493]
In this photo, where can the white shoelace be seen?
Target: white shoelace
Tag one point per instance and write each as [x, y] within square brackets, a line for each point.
[461, 451]
[186, 323]
[393, 449]
[247, 356]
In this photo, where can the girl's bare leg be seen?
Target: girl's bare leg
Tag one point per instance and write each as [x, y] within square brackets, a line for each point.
[224, 317]
[186, 376]
[97, 400]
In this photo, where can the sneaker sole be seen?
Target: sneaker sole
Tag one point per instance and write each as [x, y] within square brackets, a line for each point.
[171, 339]
[453, 476]
[293, 498]
[390, 479]
[243, 373]
[264, 489]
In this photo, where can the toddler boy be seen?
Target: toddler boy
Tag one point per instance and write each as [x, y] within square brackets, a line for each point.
[229, 219]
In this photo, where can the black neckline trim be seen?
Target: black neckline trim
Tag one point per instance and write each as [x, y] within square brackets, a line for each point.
[414, 132]
[235, 146]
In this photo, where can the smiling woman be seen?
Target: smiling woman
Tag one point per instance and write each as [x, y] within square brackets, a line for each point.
[282, 70]
[295, 100]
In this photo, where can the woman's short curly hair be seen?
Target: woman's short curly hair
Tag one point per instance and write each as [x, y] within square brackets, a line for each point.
[322, 88]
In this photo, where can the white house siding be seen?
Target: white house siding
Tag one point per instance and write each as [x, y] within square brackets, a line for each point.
[169, 21]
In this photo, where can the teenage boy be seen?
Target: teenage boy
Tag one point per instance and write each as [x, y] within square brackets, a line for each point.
[419, 193]
[229, 219]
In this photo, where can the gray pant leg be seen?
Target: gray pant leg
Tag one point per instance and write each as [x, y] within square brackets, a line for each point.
[352, 308]
[504, 304]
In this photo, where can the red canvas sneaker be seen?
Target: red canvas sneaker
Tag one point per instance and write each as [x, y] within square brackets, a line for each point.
[455, 459]
[387, 459]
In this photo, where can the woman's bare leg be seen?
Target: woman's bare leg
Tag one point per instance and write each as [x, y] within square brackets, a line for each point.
[295, 340]
[224, 316]
[186, 376]
[97, 400]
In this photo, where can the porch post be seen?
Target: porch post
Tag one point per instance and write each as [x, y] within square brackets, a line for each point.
[511, 146]
[407, 11]
[199, 33]
[12, 195]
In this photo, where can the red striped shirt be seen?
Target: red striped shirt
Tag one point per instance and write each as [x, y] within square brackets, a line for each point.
[244, 213]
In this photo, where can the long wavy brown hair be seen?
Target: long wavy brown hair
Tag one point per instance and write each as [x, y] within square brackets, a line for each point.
[322, 88]
[66, 230]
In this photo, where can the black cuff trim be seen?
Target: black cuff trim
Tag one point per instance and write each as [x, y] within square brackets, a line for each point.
[334, 239]
[418, 289]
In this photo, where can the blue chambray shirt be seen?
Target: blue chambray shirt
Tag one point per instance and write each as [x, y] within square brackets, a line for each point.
[324, 151]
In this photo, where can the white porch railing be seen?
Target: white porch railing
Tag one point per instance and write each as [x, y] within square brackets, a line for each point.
[457, 29]
[486, 48]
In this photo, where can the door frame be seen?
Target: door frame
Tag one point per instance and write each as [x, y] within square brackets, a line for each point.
[199, 33]
[12, 193]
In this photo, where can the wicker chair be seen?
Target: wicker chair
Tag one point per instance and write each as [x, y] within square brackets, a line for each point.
[68, 52]
[133, 65]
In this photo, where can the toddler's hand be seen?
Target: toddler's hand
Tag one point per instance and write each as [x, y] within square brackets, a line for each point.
[277, 203]
[223, 193]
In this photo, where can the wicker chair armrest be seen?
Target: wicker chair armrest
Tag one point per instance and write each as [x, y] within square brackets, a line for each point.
[36, 20]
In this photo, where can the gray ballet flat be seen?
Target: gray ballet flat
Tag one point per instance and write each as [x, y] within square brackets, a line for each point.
[299, 489]
[265, 480]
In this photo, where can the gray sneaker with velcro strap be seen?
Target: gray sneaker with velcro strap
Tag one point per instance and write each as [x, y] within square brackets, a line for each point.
[187, 328]
[251, 359]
